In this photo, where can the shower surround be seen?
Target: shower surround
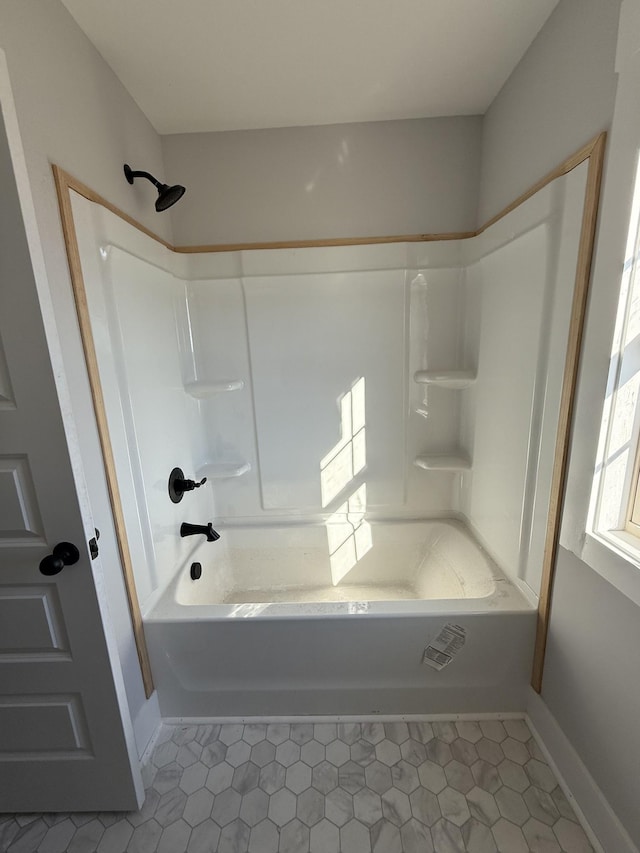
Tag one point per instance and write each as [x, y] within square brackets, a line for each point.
[376, 425]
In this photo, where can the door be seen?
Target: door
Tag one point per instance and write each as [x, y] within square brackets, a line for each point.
[65, 734]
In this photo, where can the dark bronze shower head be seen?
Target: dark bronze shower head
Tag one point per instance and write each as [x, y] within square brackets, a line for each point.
[166, 195]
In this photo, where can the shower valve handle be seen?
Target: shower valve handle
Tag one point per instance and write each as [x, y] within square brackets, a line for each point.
[189, 485]
[178, 485]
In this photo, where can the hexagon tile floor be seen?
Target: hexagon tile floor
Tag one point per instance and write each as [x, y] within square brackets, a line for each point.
[440, 787]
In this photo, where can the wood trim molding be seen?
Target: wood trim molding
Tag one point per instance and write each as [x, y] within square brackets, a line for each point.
[564, 168]
[593, 151]
[565, 418]
[331, 241]
[65, 182]
[64, 179]
[82, 308]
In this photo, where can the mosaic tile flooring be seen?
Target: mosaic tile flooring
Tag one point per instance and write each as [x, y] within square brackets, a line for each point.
[440, 787]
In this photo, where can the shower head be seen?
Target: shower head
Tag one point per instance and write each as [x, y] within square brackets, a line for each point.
[166, 195]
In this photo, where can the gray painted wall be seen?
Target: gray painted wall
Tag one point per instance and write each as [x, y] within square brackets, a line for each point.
[73, 111]
[559, 96]
[347, 180]
[591, 681]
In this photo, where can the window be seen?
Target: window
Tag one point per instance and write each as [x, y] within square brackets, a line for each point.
[616, 493]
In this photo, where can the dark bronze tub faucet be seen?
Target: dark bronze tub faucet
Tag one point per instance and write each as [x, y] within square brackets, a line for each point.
[206, 529]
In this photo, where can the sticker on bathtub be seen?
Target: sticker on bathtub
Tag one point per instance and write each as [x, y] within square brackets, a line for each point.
[442, 650]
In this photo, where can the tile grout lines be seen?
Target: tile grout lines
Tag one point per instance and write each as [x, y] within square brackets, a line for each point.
[396, 787]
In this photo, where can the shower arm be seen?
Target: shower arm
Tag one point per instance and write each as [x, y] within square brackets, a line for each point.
[138, 174]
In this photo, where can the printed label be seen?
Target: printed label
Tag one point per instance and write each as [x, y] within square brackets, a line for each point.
[442, 650]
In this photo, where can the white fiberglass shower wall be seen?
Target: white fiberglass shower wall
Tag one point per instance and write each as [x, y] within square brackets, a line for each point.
[520, 276]
[316, 345]
[398, 381]
[376, 424]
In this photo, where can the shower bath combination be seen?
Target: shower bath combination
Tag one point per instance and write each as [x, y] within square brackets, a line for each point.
[167, 196]
[293, 381]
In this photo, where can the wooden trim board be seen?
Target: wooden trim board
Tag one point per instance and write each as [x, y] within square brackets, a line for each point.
[65, 181]
[566, 166]
[565, 418]
[592, 151]
[331, 241]
[80, 296]
[563, 169]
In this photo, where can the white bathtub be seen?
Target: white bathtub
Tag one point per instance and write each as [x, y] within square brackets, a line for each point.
[334, 620]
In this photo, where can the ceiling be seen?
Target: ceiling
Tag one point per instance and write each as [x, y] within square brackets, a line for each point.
[205, 65]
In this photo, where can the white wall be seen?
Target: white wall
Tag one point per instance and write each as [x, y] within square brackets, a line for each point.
[566, 83]
[558, 97]
[137, 307]
[73, 111]
[520, 278]
[347, 180]
[280, 443]
[287, 421]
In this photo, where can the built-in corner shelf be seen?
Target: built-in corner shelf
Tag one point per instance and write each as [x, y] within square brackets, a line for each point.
[445, 378]
[224, 470]
[441, 462]
[201, 390]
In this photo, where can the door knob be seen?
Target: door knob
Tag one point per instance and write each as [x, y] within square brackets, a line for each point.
[64, 554]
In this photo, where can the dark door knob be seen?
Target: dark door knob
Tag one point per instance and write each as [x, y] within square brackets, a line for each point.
[64, 554]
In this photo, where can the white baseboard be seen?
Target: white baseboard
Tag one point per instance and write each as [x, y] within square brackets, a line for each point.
[146, 723]
[598, 819]
[343, 718]
[149, 734]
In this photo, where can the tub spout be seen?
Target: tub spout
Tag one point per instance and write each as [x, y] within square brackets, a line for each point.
[206, 529]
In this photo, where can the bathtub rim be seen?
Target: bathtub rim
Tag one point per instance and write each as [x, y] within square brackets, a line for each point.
[295, 611]
[507, 597]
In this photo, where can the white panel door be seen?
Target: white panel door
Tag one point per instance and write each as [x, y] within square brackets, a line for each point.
[63, 744]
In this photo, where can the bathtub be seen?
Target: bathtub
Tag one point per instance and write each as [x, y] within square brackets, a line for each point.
[335, 619]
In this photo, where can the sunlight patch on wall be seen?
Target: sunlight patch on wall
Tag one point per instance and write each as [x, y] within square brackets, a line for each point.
[349, 456]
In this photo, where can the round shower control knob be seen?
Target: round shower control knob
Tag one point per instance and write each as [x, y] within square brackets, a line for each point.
[64, 554]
